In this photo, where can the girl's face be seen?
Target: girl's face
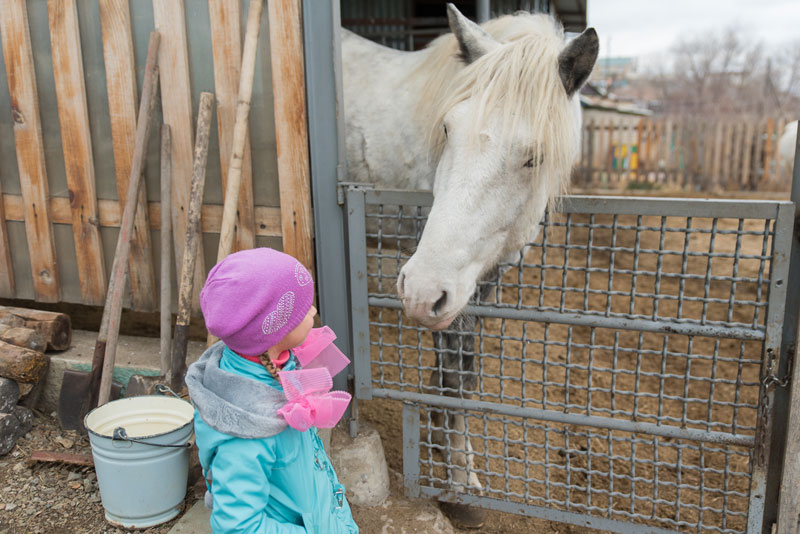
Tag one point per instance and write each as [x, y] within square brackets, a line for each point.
[296, 336]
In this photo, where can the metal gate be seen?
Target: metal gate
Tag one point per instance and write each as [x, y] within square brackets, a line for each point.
[625, 364]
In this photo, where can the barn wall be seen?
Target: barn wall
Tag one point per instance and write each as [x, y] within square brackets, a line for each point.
[198, 28]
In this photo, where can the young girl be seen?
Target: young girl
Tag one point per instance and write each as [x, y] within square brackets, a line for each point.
[256, 410]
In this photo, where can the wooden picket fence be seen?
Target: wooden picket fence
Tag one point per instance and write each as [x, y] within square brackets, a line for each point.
[44, 215]
[682, 154]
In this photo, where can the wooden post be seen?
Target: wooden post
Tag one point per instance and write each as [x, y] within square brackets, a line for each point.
[166, 250]
[122, 105]
[768, 150]
[185, 289]
[76, 139]
[18, 56]
[747, 149]
[232, 83]
[291, 128]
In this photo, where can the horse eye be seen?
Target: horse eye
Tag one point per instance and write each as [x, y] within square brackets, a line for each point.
[533, 163]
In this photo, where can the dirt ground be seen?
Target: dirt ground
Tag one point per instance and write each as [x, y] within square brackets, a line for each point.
[54, 498]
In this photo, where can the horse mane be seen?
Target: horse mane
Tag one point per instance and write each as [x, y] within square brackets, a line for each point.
[520, 78]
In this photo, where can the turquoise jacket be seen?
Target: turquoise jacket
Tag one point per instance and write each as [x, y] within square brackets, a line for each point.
[266, 477]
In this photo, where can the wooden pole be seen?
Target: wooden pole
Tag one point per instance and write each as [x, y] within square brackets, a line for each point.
[166, 249]
[181, 337]
[240, 131]
[113, 307]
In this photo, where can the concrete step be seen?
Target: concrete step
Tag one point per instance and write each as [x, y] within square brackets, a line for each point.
[135, 355]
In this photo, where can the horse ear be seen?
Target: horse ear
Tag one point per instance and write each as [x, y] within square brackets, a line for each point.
[473, 41]
[576, 61]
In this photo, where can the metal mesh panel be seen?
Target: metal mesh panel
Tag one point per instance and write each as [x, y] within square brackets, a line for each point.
[673, 484]
[616, 363]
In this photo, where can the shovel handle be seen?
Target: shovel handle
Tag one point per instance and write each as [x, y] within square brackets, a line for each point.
[97, 370]
[180, 341]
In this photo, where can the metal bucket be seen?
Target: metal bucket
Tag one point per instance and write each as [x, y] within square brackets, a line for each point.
[140, 447]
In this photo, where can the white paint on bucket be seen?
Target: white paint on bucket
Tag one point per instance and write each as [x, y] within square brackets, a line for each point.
[142, 483]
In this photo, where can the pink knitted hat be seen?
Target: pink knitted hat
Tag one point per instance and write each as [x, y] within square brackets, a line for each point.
[252, 299]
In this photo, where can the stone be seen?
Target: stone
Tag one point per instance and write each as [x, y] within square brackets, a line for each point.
[25, 417]
[9, 432]
[9, 394]
[360, 465]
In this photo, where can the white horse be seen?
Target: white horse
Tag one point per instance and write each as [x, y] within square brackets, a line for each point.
[785, 152]
[489, 119]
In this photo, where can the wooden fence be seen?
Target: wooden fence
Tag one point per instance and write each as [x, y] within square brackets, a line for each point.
[682, 153]
[41, 254]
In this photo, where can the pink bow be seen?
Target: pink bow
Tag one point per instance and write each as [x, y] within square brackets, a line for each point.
[309, 399]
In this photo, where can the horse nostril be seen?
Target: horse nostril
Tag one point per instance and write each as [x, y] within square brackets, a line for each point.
[439, 304]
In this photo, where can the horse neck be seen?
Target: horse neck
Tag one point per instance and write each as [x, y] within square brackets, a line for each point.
[386, 142]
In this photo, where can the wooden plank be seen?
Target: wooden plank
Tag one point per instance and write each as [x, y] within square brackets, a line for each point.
[768, 144]
[18, 56]
[747, 154]
[758, 148]
[589, 178]
[736, 168]
[717, 160]
[6, 268]
[176, 105]
[226, 43]
[267, 219]
[59, 458]
[122, 105]
[73, 116]
[727, 133]
[291, 134]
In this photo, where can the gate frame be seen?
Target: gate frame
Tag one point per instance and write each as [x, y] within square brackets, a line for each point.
[769, 437]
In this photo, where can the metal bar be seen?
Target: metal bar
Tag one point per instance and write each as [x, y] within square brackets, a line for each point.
[543, 512]
[786, 430]
[770, 368]
[611, 205]
[359, 308]
[326, 141]
[481, 11]
[411, 449]
[599, 321]
[674, 432]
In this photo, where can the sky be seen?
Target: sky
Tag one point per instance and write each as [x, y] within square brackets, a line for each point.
[643, 28]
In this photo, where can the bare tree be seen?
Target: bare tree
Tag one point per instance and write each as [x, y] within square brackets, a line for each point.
[727, 72]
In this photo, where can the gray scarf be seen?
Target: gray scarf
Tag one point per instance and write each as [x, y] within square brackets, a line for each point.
[231, 403]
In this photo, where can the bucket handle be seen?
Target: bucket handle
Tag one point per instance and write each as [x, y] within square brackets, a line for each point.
[163, 389]
[120, 434]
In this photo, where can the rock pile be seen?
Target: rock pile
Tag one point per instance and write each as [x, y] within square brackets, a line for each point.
[16, 420]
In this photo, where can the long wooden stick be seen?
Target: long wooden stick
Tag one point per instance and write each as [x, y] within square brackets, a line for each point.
[181, 337]
[106, 347]
[240, 130]
[166, 248]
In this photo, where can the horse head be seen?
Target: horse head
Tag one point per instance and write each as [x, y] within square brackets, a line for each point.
[504, 122]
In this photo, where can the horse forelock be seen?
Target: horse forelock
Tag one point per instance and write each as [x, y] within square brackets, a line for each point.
[519, 80]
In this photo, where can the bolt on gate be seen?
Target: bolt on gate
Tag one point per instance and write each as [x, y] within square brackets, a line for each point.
[624, 368]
